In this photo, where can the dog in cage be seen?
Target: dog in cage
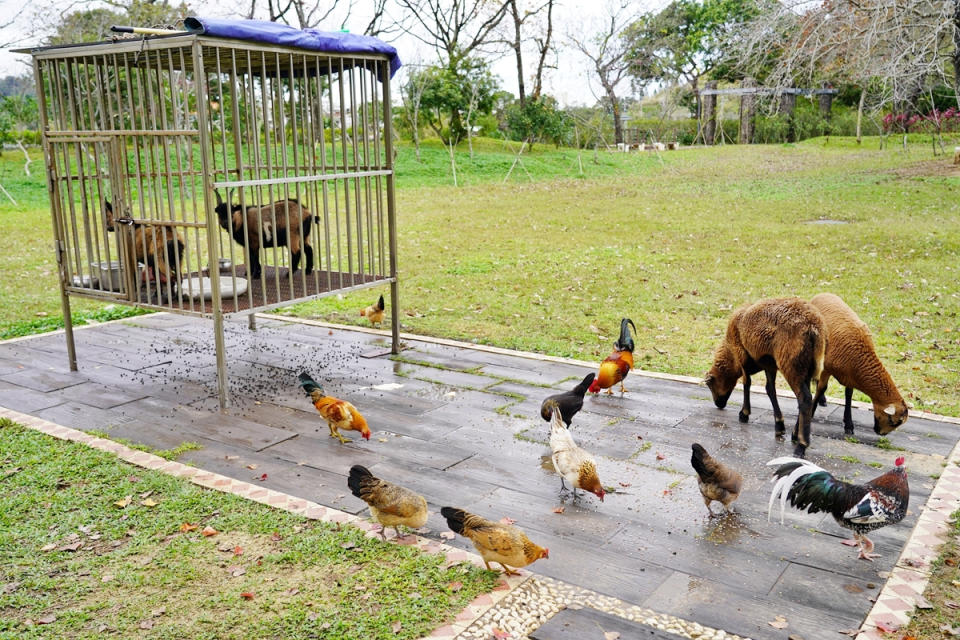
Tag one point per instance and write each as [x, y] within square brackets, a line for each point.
[285, 223]
[159, 246]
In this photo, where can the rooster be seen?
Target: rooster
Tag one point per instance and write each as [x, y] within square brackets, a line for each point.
[570, 461]
[339, 414]
[390, 505]
[504, 544]
[618, 364]
[717, 481]
[374, 312]
[569, 402]
[859, 507]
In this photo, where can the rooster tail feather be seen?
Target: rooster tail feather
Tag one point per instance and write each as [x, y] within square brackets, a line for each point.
[696, 459]
[788, 472]
[585, 383]
[455, 518]
[625, 341]
[380, 304]
[359, 476]
[308, 383]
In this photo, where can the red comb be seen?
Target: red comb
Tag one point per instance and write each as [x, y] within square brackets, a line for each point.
[899, 461]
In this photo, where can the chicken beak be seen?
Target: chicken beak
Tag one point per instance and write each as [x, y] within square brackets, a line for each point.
[366, 435]
[600, 494]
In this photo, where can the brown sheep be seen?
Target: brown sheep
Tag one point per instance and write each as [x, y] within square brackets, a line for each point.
[852, 360]
[785, 334]
[159, 246]
[285, 214]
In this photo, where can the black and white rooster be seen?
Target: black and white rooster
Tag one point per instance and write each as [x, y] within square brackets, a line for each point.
[858, 507]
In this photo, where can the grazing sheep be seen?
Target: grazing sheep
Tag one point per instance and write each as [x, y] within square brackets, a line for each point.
[852, 360]
[785, 334]
[159, 246]
[292, 222]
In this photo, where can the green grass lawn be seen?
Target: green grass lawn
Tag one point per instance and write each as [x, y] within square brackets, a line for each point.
[551, 260]
[75, 564]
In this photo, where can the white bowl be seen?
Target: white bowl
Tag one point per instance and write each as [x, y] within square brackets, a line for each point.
[202, 288]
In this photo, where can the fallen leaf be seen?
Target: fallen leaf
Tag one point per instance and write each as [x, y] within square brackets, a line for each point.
[48, 547]
[47, 619]
[348, 546]
[123, 503]
[208, 531]
[455, 586]
[660, 456]
[146, 624]
[106, 578]
[922, 603]
[148, 503]
[853, 633]
[74, 546]
[507, 520]
[252, 466]
[887, 627]
[238, 550]
[236, 571]
[382, 440]
[133, 479]
[261, 477]
[292, 591]
[852, 588]
[953, 631]
[500, 634]
[448, 535]
[156, 613]
[230, 457]
[559, 510]
[396, 626]
[952, 604]
[146, 494]
[611, 635]
[276, 537]
[778, 623]
[624, 484]
[247, 595]
[186, 526]
[9, 472]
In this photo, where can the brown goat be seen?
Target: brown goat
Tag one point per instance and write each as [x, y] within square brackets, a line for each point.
[852, 360]
[785, 334]
[159, 246]
[292, 222]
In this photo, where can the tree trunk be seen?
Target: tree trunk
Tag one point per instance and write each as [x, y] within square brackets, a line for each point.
[863, 98]
[748, 106]
[615, 105]
[710, 115]
[956, 51]
[517, 49]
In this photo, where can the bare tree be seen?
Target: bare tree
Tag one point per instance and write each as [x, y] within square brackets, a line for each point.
[892, 49]
[412, 95]
[455, 28]
[539, 20]
[607, 52]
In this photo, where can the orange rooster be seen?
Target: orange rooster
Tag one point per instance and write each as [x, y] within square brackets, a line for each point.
[618, 364]
[374, 312]
[339, 414]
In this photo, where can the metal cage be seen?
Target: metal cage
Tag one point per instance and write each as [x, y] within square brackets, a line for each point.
[212, 177]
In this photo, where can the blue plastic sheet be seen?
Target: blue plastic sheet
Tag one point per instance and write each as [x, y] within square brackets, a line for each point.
[282, 34]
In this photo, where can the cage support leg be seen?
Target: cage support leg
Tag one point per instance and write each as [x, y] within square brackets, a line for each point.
[221, 361]
[68, 329]
[252, 322]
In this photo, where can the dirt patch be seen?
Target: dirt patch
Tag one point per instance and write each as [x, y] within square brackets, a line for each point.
[942, 167]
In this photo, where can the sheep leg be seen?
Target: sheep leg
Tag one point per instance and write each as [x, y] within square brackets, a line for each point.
[771, 388]
[804, 411]
[744, 414]
[309, 251]
[820, 397]
[848, 411]
[294, 260]
[255, 268]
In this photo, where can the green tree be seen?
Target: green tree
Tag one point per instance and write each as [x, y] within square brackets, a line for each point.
[451, 94]
[684, 41]
[92, 25]
[537, 121]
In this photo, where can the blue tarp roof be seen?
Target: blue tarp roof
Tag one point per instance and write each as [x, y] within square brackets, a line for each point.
[277, 33]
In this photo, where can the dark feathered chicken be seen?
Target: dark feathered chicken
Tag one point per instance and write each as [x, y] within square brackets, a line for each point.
[717, 481]
[858, 507]
[569, 402]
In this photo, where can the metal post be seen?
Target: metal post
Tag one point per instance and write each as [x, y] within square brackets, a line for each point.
[391, 210]
[52, 193]
[252, 322]
[213, 249]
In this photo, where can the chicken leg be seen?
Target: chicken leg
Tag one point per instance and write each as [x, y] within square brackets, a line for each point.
[334, 433]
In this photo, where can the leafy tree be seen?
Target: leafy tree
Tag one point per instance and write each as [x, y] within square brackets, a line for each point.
[537, 120]
[450, 94]
[684, 41]
[93, 24]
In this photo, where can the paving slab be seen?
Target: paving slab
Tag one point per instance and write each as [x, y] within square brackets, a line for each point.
[577, 624]
[462, 427]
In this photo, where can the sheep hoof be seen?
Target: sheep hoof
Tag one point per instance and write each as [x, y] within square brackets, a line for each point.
[848, 429]
[822, 401]
[743, 417]
[799, 451]
[780, 427]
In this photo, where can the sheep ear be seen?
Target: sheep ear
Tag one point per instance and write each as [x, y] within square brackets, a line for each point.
[890, 410]
[219, 199]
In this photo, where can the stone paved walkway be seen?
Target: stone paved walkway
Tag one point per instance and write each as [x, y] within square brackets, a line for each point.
[462, 427]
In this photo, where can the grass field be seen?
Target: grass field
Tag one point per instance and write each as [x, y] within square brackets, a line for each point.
[551, 260]
[92, 547]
